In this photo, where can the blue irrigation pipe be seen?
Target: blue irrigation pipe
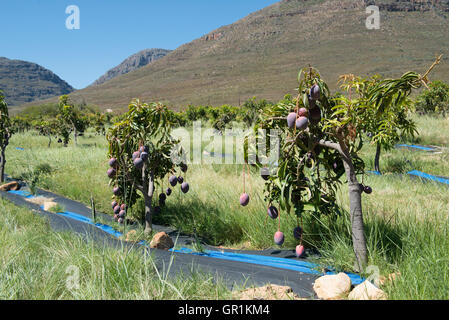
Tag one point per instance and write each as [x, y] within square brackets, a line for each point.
[423, 148]
[275, 262]
[429, 176]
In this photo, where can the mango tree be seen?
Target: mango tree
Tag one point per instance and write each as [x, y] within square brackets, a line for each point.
[140, 151]
[320, 137]
[72, 117]
[434, 100]
[48, 128]
[387, 119]
[98, 121]
[5, 134]
[20, 124]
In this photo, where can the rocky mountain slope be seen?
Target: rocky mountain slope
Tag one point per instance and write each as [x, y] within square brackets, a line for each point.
[23, 81]
[132, 63]
[260, 54]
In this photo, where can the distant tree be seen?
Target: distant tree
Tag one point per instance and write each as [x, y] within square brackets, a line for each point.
[5, 134]
[98, 122]
[251, 109]
[434, 100]
[63, 130]
[48, 128]
[20, 124]
[385, 124]
[72, 117]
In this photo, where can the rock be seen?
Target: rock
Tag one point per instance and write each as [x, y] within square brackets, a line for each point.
[268, 292]
[162, 241]
[49, 204]
[131, 236]
[14, 185]
[367, 291]
[332, 287]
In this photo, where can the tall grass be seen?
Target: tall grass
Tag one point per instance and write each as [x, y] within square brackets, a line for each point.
[36, 263]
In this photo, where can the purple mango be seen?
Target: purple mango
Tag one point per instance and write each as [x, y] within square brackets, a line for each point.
[302, 123]
[279, 238]
[291, 119]
[185, 187]
[173, 181]
[315, 92]
[138, 163]
[244, 199]
[273, 212]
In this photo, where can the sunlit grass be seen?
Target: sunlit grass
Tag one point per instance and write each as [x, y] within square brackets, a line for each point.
[37, 263]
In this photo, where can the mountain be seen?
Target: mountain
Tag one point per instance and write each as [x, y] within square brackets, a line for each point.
[260, 55]
[132, 63]
[23, 81]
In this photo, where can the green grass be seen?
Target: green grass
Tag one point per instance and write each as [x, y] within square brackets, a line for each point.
[406, 219]
[36, 263]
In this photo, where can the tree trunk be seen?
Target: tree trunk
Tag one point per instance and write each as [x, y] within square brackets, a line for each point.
[148, 197]
[356, 214]
[2, 166]
[377, 158]
[76, 135]
[355, 203]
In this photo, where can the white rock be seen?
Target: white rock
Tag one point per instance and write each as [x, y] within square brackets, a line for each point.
[367, 291]
[49, 204]
[333, 287]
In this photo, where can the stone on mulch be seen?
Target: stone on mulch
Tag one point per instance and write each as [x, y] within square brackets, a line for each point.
[367, 291]
[332, 287]
[13, 185]
[162, 241]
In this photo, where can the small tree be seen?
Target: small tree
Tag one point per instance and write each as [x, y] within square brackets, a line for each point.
[319, 142]
[98, 121]
[140, 148]
[48, 128]
[72, 117]
[434, 100]
[385, 124]
[5, 134]
[20, 124]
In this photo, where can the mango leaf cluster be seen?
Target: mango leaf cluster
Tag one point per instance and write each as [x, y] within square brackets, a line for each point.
[307, 175]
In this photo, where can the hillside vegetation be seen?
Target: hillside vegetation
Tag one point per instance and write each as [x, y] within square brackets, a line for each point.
[259, 55]
[134, 62]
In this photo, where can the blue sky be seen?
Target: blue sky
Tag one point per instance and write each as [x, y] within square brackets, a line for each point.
[110, 30]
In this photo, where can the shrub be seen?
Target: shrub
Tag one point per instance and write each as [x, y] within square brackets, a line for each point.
[434, 100]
